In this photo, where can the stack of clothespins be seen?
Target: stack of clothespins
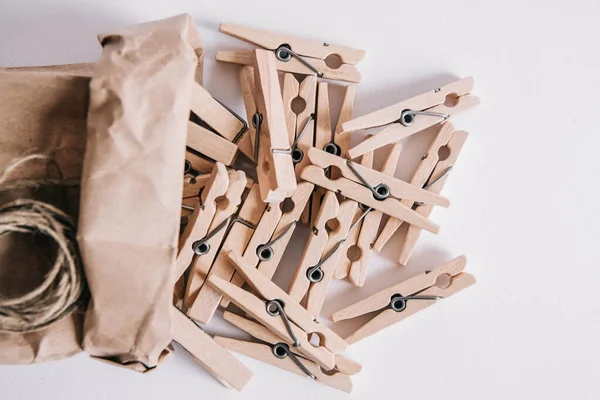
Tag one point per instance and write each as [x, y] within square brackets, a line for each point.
[235, 230]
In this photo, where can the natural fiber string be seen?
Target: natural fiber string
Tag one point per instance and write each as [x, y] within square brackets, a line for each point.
[63, 285]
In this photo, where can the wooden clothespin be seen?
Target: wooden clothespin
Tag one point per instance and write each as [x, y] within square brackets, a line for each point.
[273, 314]
[412, 115]
[323, 252]
[196, 172]
[275, 168]
[275, 352]
[371, 188]
[247, 142]
[296, 55]
[201, 217]
[241, 231]
[216, 115]
[431, 175]
[300, 121]
[331, 141]
[210, 144]
[273, 233]
[365, 233]
[206, 248]
[212, 356]
[406, 298]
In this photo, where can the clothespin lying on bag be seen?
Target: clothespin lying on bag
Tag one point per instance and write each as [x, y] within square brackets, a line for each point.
[273, 152]
[364, 235]
[431, 175]
[296, 55]
[412, 115]
[280, 313]
[406, 298]
[272, 350]
[212, 356]
[206, 248]
[273, 233]
[371, 188]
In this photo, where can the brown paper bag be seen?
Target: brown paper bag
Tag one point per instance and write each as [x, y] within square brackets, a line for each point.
[41, 113]
[131, 186]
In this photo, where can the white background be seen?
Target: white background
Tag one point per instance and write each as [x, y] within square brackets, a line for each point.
[524, 198]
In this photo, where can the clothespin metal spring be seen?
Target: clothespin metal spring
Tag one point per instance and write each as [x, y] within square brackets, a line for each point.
[202, 246]
[380, 191]
[265, 251]
[282, 350]
[398, 302]
[285, 53]
[276, 308]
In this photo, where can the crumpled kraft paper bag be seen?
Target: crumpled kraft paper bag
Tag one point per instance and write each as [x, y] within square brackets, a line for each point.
[131, 186]
[41, 113]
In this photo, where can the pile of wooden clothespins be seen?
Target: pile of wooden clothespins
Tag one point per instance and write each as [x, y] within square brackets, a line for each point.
[235, 230]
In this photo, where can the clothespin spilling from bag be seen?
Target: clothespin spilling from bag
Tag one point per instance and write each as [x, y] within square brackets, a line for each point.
[412, 115]
[406, 298]
[296, 55]
[272, 350]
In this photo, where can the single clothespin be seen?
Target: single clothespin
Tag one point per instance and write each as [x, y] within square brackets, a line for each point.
[323, 252]
[206, 249]
[299, 101]
[200, 219]
[210, 144]
[371, 188]
[406, 298]
[277, 353]
[439, 152]
[434, 185]
[216, 115]
[246, 143]
[273, 233]
[196, 172]
[241, 230]
[272, 314]
[273, 152]
[212, 356]
[296, 55]
[412, 115]
[331, 141]
[364, 235]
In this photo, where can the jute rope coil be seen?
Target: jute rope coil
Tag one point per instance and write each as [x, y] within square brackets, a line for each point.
[61, 288]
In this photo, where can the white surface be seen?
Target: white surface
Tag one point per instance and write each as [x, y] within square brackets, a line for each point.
[524, 198]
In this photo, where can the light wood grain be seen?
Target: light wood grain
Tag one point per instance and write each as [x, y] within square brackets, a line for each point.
[208, 353]
[199, 163]
[423, 284]
[294, 311]
[208, 299]
[345, 73]
[370, 226]
[214, 114]
[398, 188]
[419, 178]
[432, 101]
[455, 145]
[256, 308]
[317, 292]
[198, 223]
[315, 246]
[201, 264]
[361, 194]
[210, 144]
[275, 171]
[305, 47]
[246, 142]
[263, 352]
[300, 198]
